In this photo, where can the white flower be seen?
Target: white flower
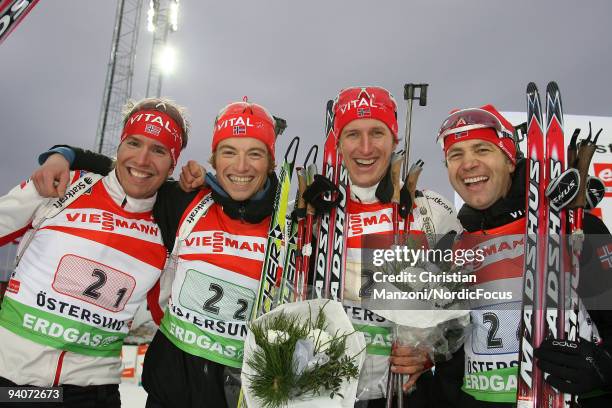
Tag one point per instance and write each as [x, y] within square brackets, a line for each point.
[304, 358]
[277, 336]
[320, 339]
[317, 361]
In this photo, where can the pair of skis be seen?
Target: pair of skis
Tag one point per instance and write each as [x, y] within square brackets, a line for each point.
[268, 289]
[12, 12]
[333, 225]
[543, 279]
[332, 229]
[267, 294]
[551, 189]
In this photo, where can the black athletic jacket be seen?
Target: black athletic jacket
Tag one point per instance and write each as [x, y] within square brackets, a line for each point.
[448, 378]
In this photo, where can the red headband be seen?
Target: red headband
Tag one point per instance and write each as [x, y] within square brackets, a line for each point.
[245, 119]
[370, 102]
[156, 125]
[506, 145]
[484, 123]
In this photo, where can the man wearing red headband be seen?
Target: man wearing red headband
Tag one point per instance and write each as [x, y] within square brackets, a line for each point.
[365, 124]
[199, 346]
[86, 263]
[490, 178]
[481, 157]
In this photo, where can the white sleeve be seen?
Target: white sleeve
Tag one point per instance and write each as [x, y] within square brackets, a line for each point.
[443, 213]
[17, 209]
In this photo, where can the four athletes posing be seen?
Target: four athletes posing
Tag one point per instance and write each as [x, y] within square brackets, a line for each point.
[196, 345]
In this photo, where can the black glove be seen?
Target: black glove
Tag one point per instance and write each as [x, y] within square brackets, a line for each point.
[575, 368]
[314, 193]
[405, 204]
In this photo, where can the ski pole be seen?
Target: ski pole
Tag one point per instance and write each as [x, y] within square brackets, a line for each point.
[576, 239]
[394, 381]
[396, 166]
[297, 223]
[307, 248]
[304, 234]
[579, 157]
[409, 95]
[411, 182]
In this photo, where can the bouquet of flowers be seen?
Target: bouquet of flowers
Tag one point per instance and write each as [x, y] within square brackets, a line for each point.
[303, 354]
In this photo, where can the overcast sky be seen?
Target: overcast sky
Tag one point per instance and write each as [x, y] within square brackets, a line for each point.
[292, 56]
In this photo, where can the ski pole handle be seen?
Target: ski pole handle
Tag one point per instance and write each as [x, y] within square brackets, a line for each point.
[314, 152]
[280, 125]
[409, 93]
[584, 154]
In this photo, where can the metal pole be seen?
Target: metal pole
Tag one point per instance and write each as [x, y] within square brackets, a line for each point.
[113, 62]
[409, 96]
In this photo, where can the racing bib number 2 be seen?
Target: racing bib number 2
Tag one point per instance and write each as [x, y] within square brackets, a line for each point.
[215, 298]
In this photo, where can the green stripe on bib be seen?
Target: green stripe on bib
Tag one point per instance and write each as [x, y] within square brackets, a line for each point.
[197, 342]
[378, 339]
[58, 332]
[493, 385]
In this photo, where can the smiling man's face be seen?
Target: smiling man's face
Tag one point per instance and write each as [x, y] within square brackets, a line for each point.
[242, 165]
[479, 172]
[367, 146]
[143, 164]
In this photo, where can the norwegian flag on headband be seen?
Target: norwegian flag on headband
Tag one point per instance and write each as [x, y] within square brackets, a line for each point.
[239, 130]
[157, 125]
[605, 256]
[458, 135]
[152, 129]
[361, 112]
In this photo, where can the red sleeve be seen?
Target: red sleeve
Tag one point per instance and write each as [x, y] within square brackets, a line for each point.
[7, 239]
[153, 303]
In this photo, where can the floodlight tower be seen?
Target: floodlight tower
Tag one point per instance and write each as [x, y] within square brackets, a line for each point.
[162, 18]
[118, 85]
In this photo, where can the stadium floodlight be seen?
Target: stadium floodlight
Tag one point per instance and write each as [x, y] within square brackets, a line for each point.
[173, 15]
[151, 16]
[167, 59]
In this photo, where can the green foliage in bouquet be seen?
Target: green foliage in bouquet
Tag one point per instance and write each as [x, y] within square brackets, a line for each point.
[275, 380]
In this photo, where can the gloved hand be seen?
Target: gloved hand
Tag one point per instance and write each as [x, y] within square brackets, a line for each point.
[575, 368]
[406, 201]
[314, 193]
